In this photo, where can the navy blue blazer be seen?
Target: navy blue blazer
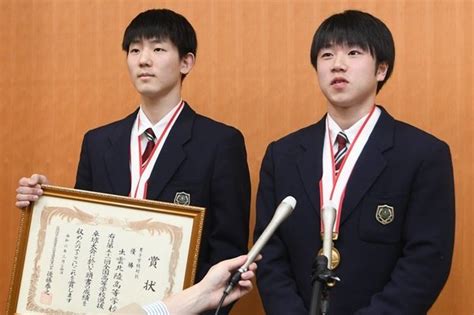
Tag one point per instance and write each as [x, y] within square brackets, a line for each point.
[202, 157]
[397, 268]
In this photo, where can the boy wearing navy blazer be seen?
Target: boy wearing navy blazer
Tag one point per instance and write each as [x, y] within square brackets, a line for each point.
[164, 150]
[390, 184]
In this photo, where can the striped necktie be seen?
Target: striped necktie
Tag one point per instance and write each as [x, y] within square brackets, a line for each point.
[342, 142]
[150, 135]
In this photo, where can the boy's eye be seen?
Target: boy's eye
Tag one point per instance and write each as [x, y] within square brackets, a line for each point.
[326, 55]
[355, 52]
[158, 49]
[133, 50]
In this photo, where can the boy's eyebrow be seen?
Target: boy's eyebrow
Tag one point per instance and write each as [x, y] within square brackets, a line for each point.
[156, 40]
[344, 44]
[153, 40]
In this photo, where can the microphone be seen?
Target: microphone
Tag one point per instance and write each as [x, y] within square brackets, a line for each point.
[283, 210]
[322, 276]
[329, 216]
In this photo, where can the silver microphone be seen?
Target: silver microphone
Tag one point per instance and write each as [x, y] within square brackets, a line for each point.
[284, 209]
[329, 216]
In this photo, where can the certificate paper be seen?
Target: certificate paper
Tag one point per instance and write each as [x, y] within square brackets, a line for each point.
[82, 252]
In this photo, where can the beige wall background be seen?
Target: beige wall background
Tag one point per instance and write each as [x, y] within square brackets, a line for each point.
[62, 72]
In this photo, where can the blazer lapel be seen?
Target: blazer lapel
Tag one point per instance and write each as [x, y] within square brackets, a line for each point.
[310, 161]
[370, 164]
[172, 153]
[117, 158]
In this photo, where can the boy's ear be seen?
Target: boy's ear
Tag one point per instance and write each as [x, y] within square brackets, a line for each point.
[381, 71]
[187, 63]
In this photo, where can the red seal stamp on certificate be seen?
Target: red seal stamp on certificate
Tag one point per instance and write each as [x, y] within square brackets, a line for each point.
[46, 298]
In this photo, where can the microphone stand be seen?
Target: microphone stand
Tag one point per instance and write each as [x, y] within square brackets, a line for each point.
[322, 279]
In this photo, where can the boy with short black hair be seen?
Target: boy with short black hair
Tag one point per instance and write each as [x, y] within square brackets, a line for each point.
[164, 150]
[390, 185]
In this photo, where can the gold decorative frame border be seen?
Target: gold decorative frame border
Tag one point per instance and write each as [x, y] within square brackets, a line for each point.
[195, 213]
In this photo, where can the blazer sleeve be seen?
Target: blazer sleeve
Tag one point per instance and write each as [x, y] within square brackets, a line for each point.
[230, 200]
[84, 175]
[229, 204]
[428, 238]
[275, 279]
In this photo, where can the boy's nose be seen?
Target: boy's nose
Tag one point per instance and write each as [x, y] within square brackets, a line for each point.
[145, 59]
[339, 63]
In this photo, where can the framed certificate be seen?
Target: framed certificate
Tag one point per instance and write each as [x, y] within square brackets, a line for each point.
[83, 252]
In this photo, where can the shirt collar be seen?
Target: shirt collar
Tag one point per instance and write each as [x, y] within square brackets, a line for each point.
[144, 122]
[351, 132]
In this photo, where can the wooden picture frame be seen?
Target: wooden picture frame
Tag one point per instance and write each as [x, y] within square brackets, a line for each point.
[84, 252]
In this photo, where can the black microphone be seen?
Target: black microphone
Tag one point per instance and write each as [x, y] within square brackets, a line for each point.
[285, 208]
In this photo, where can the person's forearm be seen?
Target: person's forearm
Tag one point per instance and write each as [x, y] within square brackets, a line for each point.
[187, 302]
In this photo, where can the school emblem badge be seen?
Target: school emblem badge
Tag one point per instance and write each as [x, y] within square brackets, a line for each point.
[385, 214]
[182, 198]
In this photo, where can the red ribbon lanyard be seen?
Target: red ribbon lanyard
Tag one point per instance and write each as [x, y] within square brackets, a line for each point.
[157, 144]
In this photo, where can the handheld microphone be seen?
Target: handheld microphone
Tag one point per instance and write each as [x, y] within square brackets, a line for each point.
[285, 208]
[329, 216]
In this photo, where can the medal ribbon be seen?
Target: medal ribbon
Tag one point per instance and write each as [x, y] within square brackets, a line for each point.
[331, 187]
[145, 170]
